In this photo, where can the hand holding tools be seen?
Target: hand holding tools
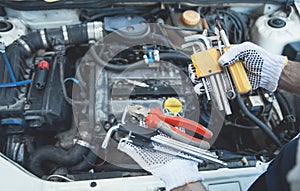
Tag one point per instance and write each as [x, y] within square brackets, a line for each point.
[154, 118]
[207, 68]
[237, 70]
[151, 139]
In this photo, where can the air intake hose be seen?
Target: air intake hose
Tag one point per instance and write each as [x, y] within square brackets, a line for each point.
[67, 35]
[57, 156]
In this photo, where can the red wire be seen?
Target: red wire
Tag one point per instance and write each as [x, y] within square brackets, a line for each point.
[97, 165]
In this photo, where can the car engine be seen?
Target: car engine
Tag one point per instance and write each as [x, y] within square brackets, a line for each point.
[68, 71]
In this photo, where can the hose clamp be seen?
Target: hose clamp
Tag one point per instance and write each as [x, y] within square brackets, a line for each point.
[95, 30]
[65, 34]
[25, 45]
[82, 143]
[43, 37]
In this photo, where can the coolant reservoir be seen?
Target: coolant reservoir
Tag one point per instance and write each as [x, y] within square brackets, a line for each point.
[273, 32]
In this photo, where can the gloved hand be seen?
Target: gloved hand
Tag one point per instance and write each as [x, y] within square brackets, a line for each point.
[263, 68]
[174, 171]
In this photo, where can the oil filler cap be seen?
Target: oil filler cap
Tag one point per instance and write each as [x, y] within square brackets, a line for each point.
[190, 17]
[276, 23]
[173, 105]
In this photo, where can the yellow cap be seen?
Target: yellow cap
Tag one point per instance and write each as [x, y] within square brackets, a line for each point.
[190, 17]
[173, 105]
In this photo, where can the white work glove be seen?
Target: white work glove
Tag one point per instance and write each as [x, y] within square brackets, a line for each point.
[173, 170]
[263, 68]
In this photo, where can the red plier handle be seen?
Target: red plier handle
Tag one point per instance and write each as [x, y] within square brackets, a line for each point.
[182, 122]
[156, 119]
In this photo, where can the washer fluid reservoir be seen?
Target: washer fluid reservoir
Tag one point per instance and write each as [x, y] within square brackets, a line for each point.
[273, 32]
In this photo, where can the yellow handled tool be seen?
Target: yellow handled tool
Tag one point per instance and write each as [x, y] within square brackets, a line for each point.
[237, 70]
[239, 76]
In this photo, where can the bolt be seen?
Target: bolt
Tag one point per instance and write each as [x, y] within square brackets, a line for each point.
[266, 95]
[93, 184]
[130, 28]
[230, 94]
[107, 126]
[133, 119]
[97, 128]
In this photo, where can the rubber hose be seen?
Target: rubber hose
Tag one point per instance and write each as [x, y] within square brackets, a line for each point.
[54, 36]
[174, 56]
[86, 163]
[34, 41]
[77, 33]
[285, 107]
[257, 121]
[55, 155]
[120, 68]
[113, 67]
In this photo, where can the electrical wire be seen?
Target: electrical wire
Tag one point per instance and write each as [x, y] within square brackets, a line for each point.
[234, 26]
[59, 176]
[96, 165]
[61, 72]
[72, 79]
[14, 82]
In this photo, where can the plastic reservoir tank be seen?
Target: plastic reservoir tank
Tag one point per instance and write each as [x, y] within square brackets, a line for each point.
[273, 32]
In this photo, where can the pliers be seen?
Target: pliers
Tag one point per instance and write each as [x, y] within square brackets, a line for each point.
[154, 118]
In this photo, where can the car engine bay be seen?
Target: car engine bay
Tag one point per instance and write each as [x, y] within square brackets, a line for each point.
[69, 70]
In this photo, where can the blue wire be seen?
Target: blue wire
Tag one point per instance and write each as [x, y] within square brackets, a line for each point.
[14, 82]
[72, 79]
[10, 71]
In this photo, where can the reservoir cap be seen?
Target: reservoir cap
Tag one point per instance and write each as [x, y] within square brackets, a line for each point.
[190, 17]
[276, 23]
[173, 105]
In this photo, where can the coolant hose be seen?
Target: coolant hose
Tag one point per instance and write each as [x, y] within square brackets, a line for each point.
[85, 164]
[119, 68]
[257, 121]
[56, 156]
[174, 56]
[113, 67]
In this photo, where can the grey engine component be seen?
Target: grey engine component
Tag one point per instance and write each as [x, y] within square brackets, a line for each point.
[74, 77]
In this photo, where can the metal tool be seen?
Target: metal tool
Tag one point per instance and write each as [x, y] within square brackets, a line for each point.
[206, 64]
[237, 70]
[163, 144]
[108, 135]
[188, 149]
[201, 47]
[154, 118]
[137, 83]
